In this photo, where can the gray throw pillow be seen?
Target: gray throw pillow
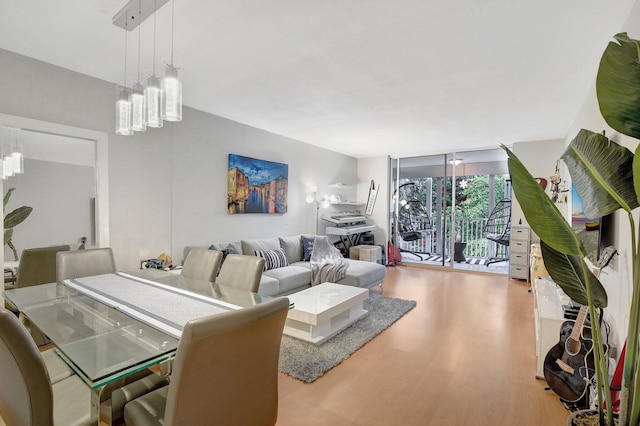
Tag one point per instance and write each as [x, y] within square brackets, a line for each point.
[307, 246]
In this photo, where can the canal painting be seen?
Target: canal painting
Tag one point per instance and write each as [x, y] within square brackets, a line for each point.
[256, 186]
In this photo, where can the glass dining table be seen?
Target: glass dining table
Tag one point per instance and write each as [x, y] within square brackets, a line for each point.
[103, 342]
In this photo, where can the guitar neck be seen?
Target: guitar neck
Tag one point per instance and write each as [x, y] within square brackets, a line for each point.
[577, 327]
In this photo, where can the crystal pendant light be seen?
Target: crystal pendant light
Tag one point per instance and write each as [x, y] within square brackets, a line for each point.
[7, 161]
[138, 107]
[172, 93]
[17, 154]
[123, 112]
[172, 84]
[123, 103]
[152, 95]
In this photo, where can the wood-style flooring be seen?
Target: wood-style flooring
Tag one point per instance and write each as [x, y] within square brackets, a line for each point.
[464, 356]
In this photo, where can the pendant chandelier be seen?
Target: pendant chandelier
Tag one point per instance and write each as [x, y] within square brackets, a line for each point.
[138, 106]
[12, 159]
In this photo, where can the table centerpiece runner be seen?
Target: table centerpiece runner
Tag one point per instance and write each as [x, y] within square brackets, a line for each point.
[161, 306]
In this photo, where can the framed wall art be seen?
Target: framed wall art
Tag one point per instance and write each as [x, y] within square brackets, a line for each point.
[256, 186]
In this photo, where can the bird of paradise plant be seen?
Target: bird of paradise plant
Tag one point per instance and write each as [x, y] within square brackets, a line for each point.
[607, 178]
[13, 219]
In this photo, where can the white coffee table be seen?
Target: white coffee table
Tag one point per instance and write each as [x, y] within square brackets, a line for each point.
[320, 312]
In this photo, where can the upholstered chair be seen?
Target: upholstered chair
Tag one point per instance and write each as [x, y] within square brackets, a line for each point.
[27, 397]
[202, 264]
[225, 372]
[241, 271]
[37, 266]
[84, 263]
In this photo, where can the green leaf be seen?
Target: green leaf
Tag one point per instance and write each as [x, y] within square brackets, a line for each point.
[6, 197]
[567, 271]
[16, 217]
[602, 172]
[541, 213]
[8, 233]
[618, 85]
[636, 171]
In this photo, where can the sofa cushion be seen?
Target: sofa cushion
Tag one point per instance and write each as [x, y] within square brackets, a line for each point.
[363, 274]
[290, 277]
[268, 286]
[272, 258]
[292, 247]
[250, 246]
[307, 246]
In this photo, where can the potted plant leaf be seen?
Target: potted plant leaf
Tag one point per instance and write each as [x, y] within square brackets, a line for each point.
[606, 176]
[13, 219]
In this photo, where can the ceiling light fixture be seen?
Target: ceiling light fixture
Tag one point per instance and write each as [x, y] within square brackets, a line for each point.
[152, 93]
[142, 107]
[123, 103]
[171, 84]
[138, 104]
[456, 161]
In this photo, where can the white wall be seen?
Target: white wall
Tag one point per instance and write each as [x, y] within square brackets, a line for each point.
[61, 196]
[376, 169]
[539, 157]
[199, 185]
[167, 186]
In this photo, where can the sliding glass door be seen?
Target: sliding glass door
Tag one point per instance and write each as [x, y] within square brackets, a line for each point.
[419, 213]
[440, 208]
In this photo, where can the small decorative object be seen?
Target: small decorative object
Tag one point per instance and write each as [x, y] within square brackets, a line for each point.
[256, 186]
[555, 186]
[83, 242]
[371, 199]
[13, 219]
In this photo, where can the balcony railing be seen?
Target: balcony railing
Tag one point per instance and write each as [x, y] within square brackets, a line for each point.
[471, 231]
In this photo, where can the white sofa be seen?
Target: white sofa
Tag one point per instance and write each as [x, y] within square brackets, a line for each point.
[297, 275]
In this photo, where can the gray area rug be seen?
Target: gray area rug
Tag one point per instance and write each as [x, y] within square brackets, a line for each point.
[306, 361]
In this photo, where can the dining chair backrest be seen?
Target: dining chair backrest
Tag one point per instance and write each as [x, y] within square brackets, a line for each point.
[225, 370]
[241, 271]
[26, 397]
[84, 263]
[38, 265]
[202, 264]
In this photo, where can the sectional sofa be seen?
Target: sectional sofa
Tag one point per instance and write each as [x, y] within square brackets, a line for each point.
[293, 273]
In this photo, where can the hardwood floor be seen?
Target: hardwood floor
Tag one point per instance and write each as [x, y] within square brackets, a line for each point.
[464, 356]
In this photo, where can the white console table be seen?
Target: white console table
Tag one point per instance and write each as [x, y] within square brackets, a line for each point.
[549, 316]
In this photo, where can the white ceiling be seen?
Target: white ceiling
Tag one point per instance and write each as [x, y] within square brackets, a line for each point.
[361, 77]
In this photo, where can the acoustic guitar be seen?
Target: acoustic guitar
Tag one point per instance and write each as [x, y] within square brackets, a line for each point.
[568, 364]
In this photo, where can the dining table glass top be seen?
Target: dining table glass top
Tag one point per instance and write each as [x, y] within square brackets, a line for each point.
[103, 343]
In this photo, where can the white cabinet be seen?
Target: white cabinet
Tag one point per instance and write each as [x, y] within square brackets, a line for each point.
[549, 316]
[519, 243]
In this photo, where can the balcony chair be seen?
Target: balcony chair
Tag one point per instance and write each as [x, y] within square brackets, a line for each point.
[414, 223]
[239, 388]
[202, 264]
[27, 396]
[498, 227]
[84, 263]
[241, 271]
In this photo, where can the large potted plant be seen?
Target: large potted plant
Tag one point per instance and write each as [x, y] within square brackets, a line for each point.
[13, 219]
[606, 176]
